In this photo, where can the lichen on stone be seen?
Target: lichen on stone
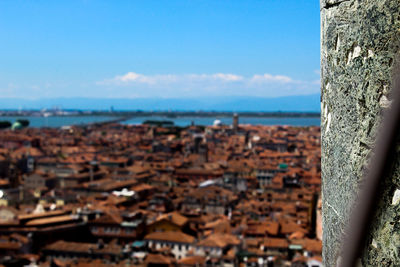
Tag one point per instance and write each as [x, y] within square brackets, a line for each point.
[360, 41]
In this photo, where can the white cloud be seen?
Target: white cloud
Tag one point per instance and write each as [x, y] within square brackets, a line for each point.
[133, 84]
[216, 84]
[227, 77]
[271, 78]
[131, 78]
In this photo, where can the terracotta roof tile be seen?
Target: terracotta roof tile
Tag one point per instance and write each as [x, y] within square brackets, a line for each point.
[171, 236]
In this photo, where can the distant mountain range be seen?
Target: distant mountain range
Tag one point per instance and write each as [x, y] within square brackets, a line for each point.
[301, 103]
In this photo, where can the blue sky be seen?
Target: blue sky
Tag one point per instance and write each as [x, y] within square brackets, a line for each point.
[128, 49]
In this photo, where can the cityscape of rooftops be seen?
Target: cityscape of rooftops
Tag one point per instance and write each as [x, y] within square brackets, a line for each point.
[152, 133]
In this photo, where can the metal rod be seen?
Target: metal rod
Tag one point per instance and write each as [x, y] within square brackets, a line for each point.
[371, 187]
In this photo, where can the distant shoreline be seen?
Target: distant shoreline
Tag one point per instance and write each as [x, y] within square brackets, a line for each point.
[181, 119]
[168, 114]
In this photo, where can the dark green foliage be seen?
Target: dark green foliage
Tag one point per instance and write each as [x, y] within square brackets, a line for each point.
[5, 124]
[23, 122]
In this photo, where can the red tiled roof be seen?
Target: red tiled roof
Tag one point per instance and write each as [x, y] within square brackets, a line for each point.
[174, 217]
[219, 240]
[193, 260]
[171, 236]
[51, 220]
[275, 243]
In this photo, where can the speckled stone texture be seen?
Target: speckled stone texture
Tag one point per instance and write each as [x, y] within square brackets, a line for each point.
[359, 49]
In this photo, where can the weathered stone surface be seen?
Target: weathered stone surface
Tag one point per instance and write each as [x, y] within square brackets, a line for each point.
[359, 46]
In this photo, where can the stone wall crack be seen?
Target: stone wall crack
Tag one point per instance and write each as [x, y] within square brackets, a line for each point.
[334, 210]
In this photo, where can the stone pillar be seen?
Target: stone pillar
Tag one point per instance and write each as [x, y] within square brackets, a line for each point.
[359, 48]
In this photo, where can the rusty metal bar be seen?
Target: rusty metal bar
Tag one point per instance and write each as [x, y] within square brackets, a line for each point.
[381, 161]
